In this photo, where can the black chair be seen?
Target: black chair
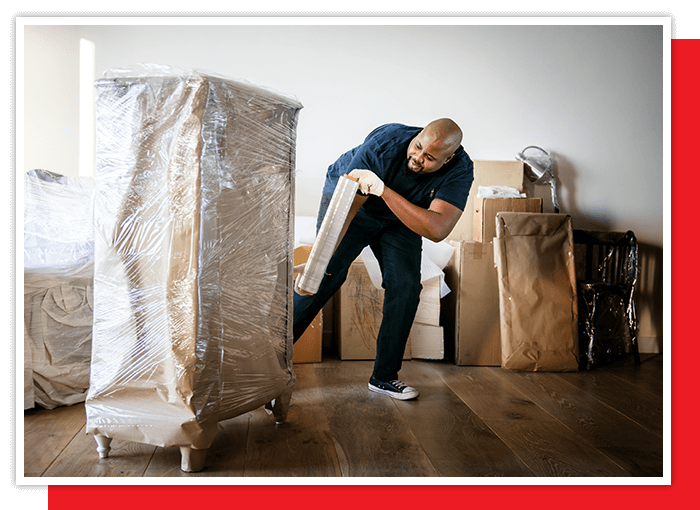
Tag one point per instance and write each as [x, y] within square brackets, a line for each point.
[607, 265]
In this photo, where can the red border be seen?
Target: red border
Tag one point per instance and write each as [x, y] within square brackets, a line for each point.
[685, 112]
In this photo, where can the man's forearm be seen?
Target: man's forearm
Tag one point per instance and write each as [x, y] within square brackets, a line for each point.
[434, 223]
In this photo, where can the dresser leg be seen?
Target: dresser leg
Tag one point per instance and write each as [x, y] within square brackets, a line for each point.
[103, 447]
[192, 460]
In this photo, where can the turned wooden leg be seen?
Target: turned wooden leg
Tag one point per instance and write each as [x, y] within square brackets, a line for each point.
[280, 406]
[103, 447]
[192, 460]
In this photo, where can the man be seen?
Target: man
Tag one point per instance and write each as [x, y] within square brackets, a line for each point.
[414, 182]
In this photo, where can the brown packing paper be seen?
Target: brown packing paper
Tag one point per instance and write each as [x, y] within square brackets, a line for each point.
[537, 284]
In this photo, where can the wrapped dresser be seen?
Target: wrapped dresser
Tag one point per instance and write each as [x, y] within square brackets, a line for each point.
[193, 257]
[58, 267]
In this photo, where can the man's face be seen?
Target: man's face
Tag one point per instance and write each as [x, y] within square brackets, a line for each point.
[427, 153]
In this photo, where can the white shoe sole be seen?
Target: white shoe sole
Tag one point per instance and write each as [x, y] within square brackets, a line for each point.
[398, 396]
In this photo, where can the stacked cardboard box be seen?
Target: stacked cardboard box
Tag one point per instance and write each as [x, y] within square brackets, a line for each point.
[427, 335]
[470, 313]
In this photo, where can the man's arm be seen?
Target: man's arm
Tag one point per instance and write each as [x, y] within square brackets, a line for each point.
[434, 223]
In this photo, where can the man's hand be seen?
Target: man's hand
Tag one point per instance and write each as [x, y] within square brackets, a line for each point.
[370, 184]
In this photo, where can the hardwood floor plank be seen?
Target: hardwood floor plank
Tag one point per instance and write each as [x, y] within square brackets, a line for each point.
[80, 459]
[469, 421]
[302, 446]
[47, 432]
[456, 440]
[641, 406]
[371, 435]
[551, 450]
[625, 442]
[647, 376]
[545, 445]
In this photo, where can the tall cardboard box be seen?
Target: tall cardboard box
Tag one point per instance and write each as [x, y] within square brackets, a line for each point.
[537, 292]
[358, 316]
[470, 313]
[308, 348]
[485, 210]
[488, 173]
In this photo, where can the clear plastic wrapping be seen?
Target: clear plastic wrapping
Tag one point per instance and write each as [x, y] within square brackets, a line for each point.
[607, 271]
[328, 235]
[58, 269]
[193, 254]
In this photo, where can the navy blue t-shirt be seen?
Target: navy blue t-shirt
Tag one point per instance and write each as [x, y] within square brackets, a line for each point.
[384, 152]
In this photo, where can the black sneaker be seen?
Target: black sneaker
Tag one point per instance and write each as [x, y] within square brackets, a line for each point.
[395, 389]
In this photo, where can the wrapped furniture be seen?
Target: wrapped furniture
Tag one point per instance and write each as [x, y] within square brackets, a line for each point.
[193, 257]
[537, 291]
[606, 271]
[58, 267]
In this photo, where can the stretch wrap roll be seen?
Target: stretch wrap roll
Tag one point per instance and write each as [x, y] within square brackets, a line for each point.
[328, 234]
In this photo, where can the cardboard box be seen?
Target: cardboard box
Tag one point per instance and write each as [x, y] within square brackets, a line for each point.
[358, 316]
[428, 312]
[308, 348]
[427, 342]
[470, 313]
[537, 292]
[485, 210]
[427, 336]
[488, 173]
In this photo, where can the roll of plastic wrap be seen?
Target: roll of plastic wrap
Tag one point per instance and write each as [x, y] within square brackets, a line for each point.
[328, 235]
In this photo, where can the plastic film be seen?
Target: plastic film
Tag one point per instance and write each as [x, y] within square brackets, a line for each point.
[606, 271]
[193, 254]
[328, 235]
[58, 288]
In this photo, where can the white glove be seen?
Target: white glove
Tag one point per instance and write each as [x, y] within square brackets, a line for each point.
[369, 182]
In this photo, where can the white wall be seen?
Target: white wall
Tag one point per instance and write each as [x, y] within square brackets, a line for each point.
[591, 95]
[51, 100]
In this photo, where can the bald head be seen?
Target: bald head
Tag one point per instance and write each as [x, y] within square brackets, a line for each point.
[434, 146]
[446, 131]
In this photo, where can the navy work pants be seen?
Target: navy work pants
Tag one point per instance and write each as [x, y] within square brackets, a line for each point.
[398, 251]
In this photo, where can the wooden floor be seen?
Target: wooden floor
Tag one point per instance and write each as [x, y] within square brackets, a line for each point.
[468, 422]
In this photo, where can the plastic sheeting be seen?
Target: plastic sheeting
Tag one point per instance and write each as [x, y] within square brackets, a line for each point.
[607, 266]
[193, 254]
[58, 266]
[328, 235]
